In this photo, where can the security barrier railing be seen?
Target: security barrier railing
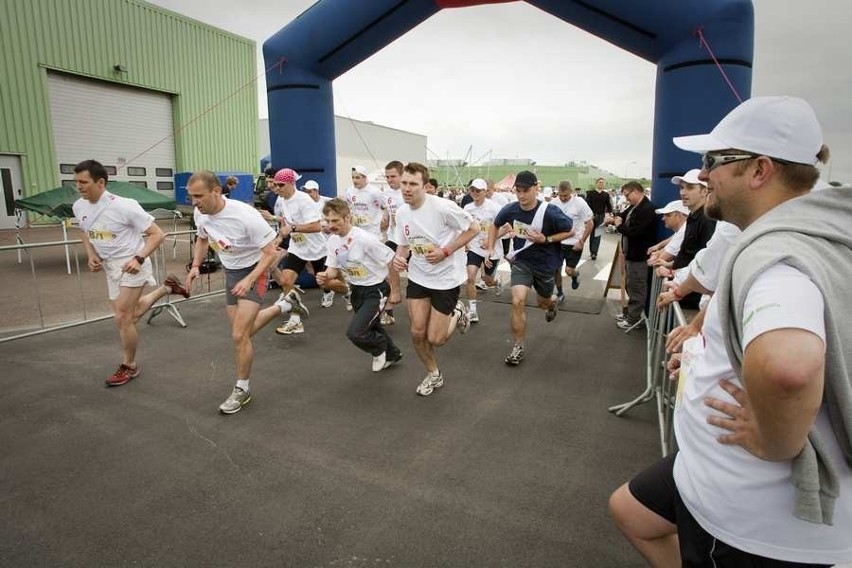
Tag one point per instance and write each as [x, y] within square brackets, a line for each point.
[658, 386]
[40, 297]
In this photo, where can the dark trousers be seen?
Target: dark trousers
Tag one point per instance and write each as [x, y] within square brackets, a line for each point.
[365, 331]
[637, 288]
[595, 239]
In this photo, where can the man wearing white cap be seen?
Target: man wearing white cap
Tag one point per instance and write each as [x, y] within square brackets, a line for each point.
[762, 476]
[699, 227]
[311, 187]
[483, 212]
[365, 201]
[674, 218]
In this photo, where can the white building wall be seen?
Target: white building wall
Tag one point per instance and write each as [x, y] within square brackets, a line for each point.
[366, 144]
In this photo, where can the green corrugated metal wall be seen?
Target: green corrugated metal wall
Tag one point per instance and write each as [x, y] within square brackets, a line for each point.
[200, 65]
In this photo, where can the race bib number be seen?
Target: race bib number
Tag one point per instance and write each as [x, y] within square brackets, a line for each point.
[356, 271]
[100, 235]
[359, 220]
[422, 249]
[520, 229]
[298, 238]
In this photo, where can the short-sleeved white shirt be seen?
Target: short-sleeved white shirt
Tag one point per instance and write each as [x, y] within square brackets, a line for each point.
[361, 256]
[237, 233]
[392, 199]
[114, 225]
[674, 244]
[707, 264]
[484, 216]
[738, 498]
[300, 209]
[366, 206]
[579, 212]
[435, 224]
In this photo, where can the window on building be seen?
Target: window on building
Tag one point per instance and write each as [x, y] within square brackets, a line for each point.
[67, 168]
[69, 183]
[136, 171]
[164, 172]
[165, 185]
[111, 170]
[139, 183]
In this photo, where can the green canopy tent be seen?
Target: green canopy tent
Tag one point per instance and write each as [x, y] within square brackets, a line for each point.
[58, 202]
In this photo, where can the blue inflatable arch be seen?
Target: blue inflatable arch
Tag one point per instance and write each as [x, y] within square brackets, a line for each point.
[333, 36]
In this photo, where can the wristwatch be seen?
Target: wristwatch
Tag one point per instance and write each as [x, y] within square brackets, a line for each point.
[549, 239]
[139, 259]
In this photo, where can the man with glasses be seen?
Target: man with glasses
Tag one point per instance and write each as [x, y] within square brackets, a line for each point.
[537, 229]
[638, 227]
[300, 221]
[762, 476]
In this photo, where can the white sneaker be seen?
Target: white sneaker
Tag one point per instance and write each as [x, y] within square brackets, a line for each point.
[387, 319]
[463, 323]
[290, 328]
[473, 316]
[481, 285]
[327, 299]
[430, 383]
[380, 362]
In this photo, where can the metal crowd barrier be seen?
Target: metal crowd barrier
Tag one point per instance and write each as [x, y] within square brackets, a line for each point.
[72, 292]
[658, 386]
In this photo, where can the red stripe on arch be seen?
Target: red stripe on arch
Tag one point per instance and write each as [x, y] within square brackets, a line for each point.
[465, 3]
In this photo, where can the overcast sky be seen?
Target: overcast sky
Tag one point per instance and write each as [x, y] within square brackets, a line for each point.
[495, 88]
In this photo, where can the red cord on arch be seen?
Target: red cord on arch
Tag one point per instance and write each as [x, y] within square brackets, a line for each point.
[704, 43]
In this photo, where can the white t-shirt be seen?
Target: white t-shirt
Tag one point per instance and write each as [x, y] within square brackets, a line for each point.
[237, 233]
[435, 224]
[114, 225]
[579, 212]
[738, 498]
[676, 241]
[484, 215]
[361, 256]
[392, 199]
[300, 209]
[707, 264]
[366, 206]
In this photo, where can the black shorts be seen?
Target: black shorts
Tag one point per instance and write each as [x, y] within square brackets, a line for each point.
[296, 264]
[655, 489]
[474, 259]
[571, 256]
[442, 300]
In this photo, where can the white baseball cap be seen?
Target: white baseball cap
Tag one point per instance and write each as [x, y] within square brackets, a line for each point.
[778, 127]
[360, 169]
[479, 183]
[675, 206]
[547, 191]
[690, 177]
[310, 184]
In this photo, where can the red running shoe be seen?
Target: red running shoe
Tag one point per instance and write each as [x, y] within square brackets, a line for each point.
[175, 287]
[122, 375]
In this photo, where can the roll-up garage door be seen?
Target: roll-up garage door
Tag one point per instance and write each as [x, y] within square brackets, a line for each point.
[113, 124]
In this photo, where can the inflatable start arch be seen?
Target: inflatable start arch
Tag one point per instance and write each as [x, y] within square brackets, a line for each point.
[332, 36]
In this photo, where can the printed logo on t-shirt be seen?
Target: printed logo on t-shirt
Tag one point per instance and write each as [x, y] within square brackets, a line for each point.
[100, 235]
[220, 245]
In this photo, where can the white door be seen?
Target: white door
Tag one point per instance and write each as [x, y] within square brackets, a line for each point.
[10, 190]
[128, 130]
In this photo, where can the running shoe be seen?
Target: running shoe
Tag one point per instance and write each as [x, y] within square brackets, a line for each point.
[387, 319]
[430, 383]
[290, 328]
[298, 307]
[473, 315]
[627, 324]
[516, 355]
[238, 399]
[463, 323]
[481, 285]
[560, 297]
[123, 374]
[327, 299]
[175, 286]
[383, 361]
[551, 312]
[575, 282]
